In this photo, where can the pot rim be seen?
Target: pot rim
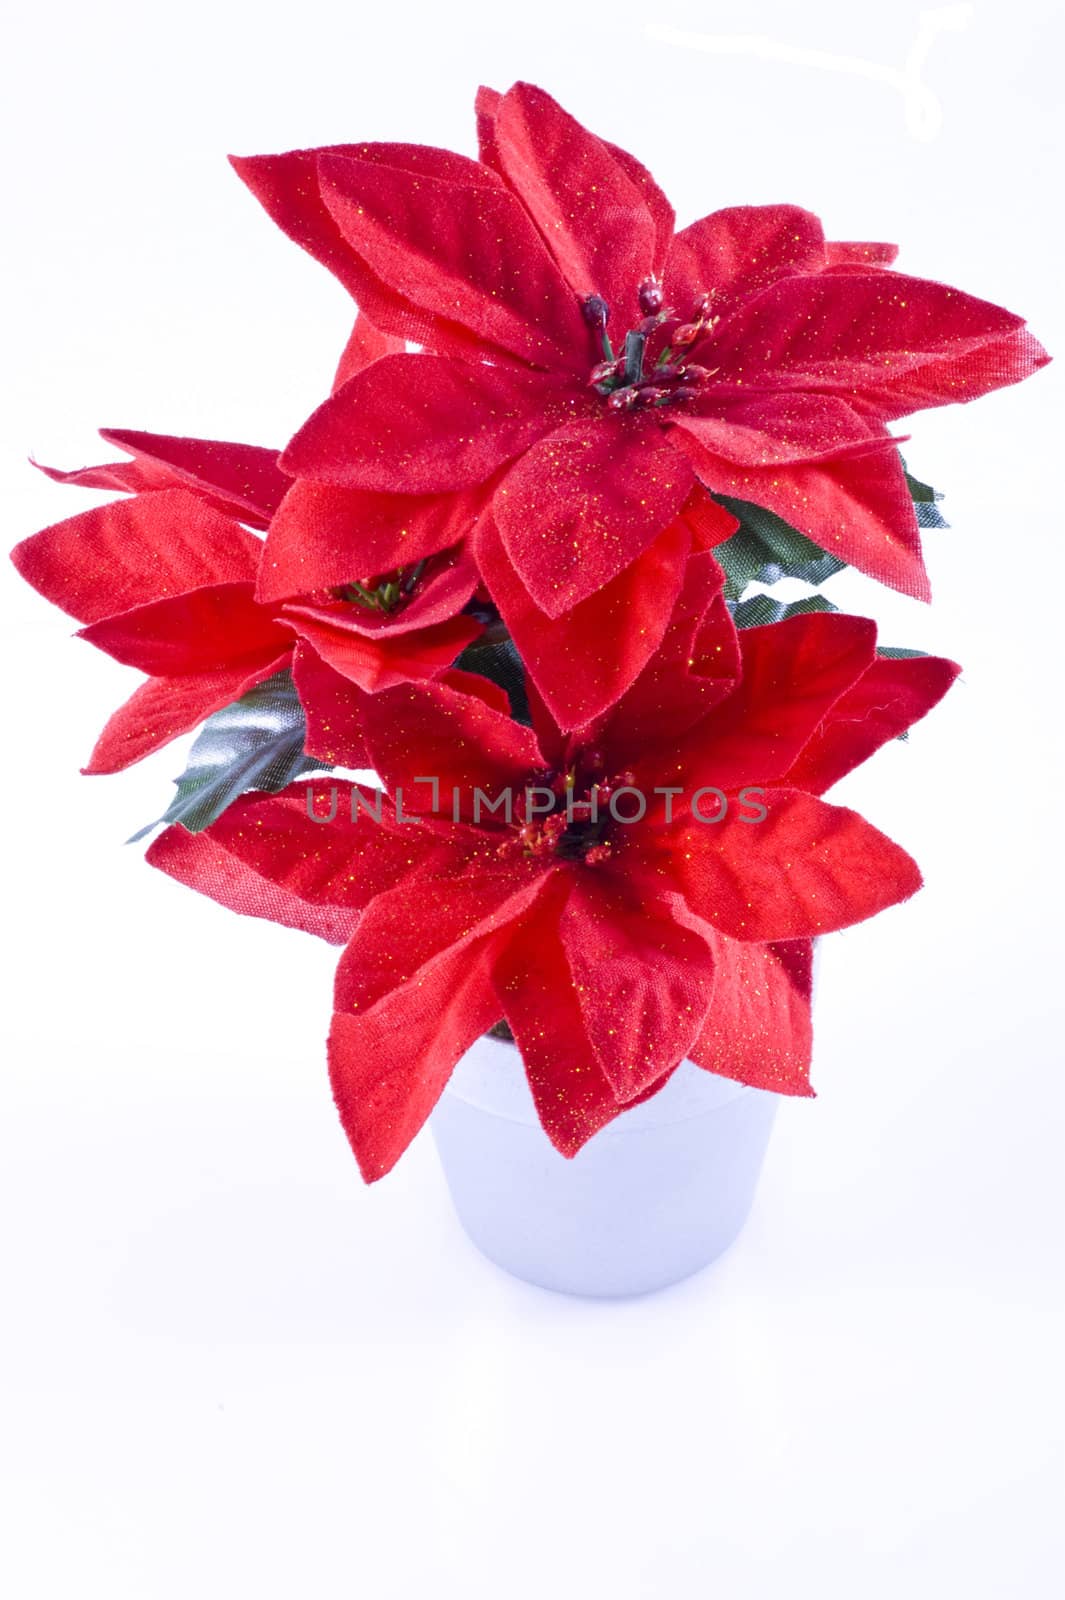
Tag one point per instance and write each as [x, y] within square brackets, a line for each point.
[623, 1125]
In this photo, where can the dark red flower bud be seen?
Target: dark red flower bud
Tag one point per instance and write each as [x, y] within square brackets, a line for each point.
[624, 399]
[604, 372]
[685, 335]
[701, 308]
[692, 373]
[649, 395]
[595, 311]
[649, 295]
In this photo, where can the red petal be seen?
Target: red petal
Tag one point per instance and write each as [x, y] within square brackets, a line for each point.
[887, 341]
[216, 627]
[534, 985]
[486, 108]
[888, 698]
[994, 365]
[389, 657]
[200, 862]
[242, 479]
[365, 345]
[164, 708]
[709, 523]
[324, 537]
[430, 730]
[851, 254]
[585, 502]
[768, 429]
[493, 694]
[327, 858]
[332, 708]
[129, 477]
[132, 552]
[804, 870]
[583, 660]
[462, 250]
[738, 251]
[288, 187]
[440, 593]
[594, 219]
[857, 507]
[758, 1027]
[444, 902]
[643, 982]
[793, 673]
[413, 992]
[695, 667]
[389, 1067]
[661, 211]
[422, 424]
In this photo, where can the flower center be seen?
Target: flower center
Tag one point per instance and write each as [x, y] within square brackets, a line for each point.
[386, 594]
[653, 369]
[572, 825]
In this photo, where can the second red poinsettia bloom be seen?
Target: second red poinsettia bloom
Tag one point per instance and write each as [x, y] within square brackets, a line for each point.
[585, 365]
[165, 582]
[639, 891]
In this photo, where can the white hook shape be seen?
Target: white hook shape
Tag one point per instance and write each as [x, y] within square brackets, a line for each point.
[923, 112]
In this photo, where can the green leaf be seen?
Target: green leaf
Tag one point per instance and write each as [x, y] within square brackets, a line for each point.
[929, 515]
[924, 499]
[256, 743]
[765, 548]
[497, 659]
[762, 609]
[918, 490]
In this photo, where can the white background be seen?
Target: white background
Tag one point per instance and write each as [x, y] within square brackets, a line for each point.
[230, 1369]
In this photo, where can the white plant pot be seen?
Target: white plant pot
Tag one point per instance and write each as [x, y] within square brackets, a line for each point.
[653, 1197]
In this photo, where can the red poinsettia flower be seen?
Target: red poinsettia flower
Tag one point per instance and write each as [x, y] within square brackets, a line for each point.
[581, 660]
[165, 582]
[585, 366]
[614, 938]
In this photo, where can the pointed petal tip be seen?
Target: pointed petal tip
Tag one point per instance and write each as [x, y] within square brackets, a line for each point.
[249, 169]
[1038, 353]
[97, 767]
[910, 577]
[285, 460]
